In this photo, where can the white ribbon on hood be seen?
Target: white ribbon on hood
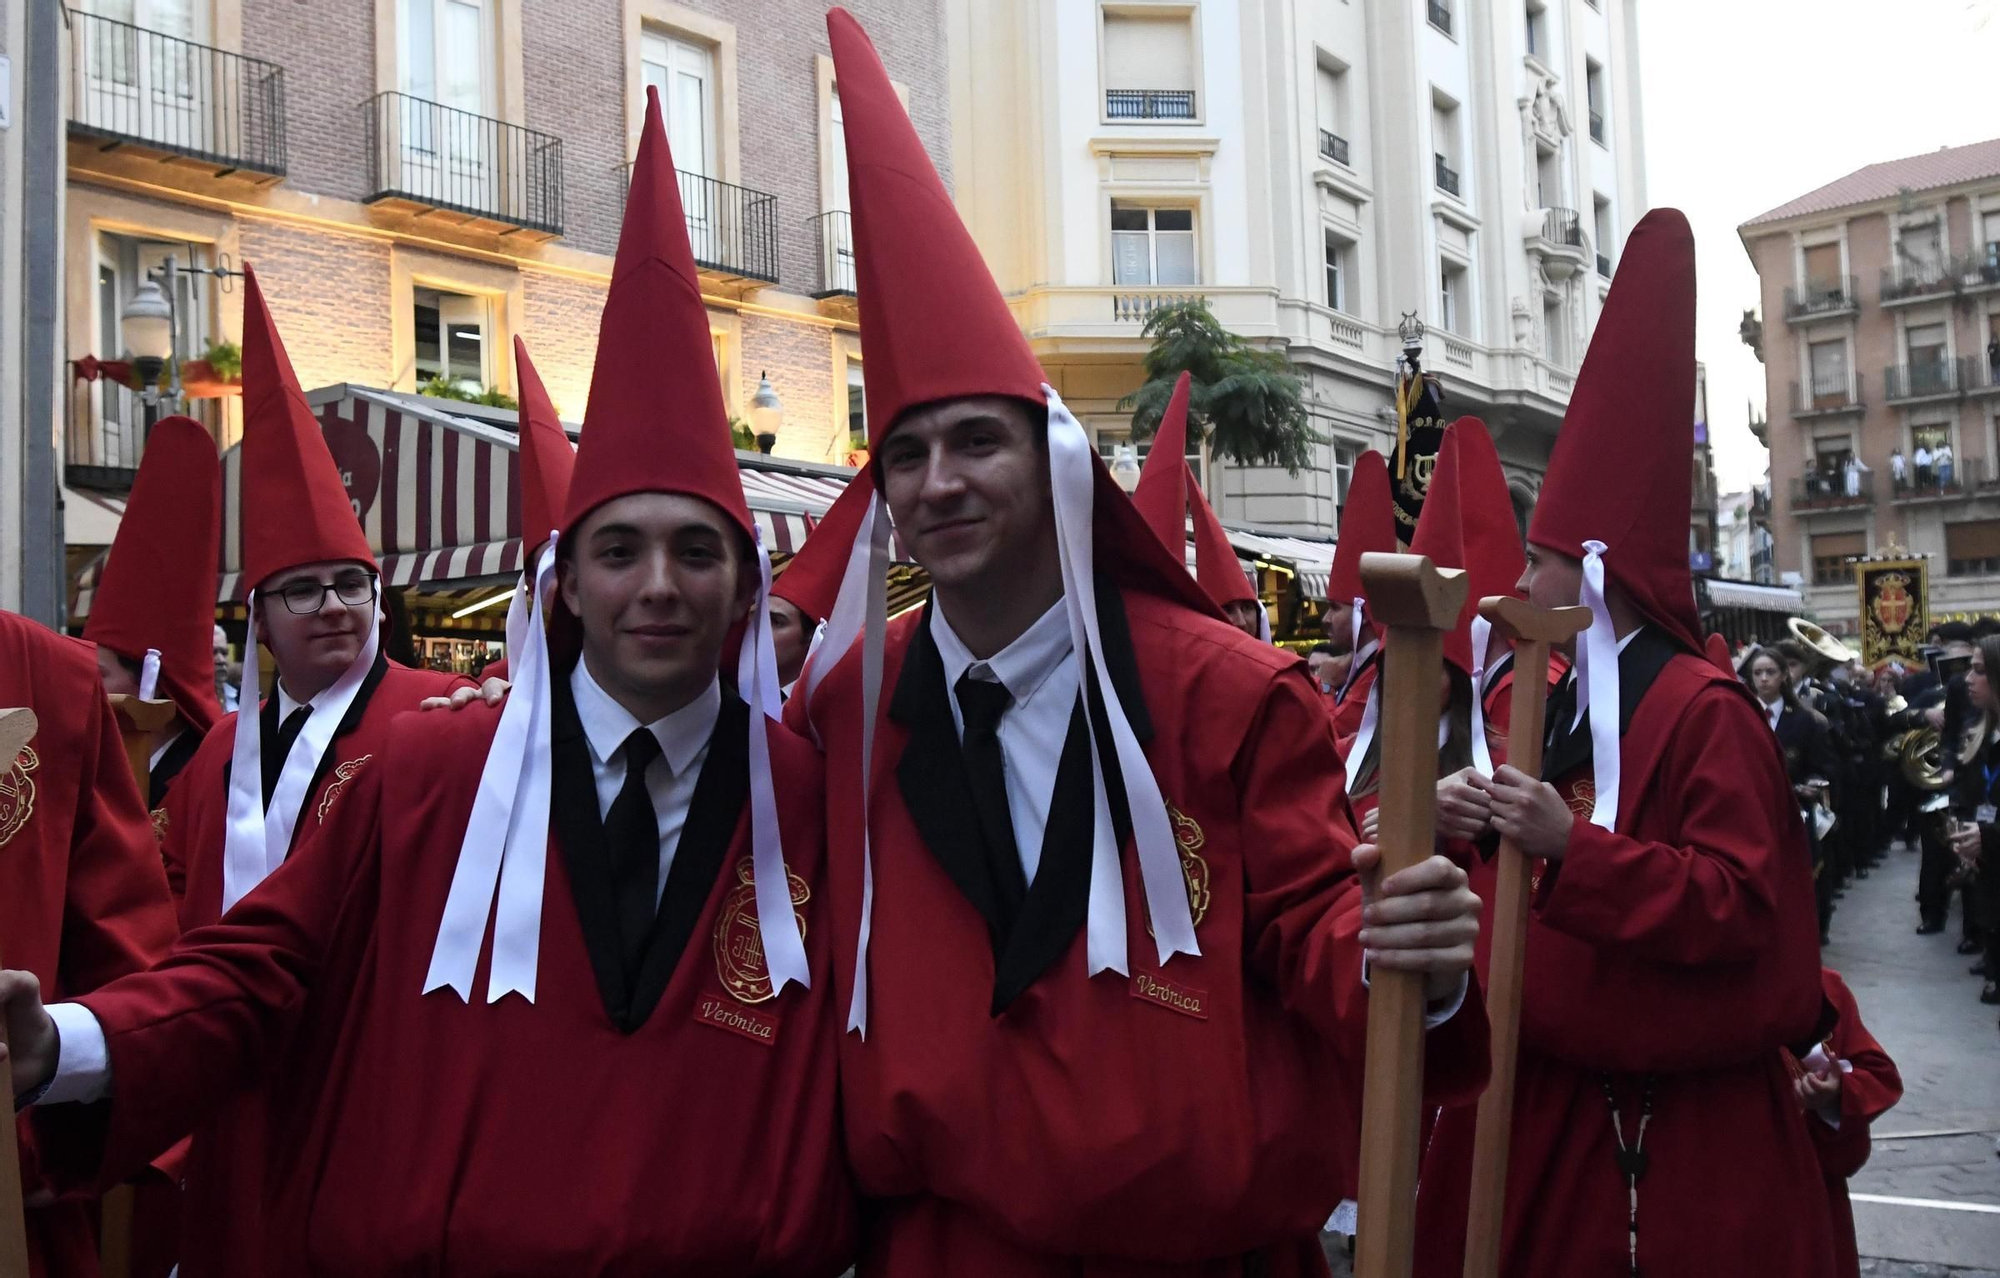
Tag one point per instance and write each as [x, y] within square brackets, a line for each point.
[1482, 638]
[757, 684]
[1597, 673]
[257, 838]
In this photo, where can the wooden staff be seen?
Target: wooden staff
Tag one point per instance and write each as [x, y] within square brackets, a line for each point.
[17, 728]
[1417, 602]
[138, 720]
[1532, 631]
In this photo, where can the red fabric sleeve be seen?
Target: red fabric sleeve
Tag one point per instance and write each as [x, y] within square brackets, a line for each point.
[1302, 900]
[1708, 899]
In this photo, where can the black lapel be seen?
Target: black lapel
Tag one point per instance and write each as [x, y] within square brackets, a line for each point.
[1372, 660]
[170, 766]
[701, 854]
[931, 776]
[579, 829]
[1122, 662]
[1498, 671]
[1638, 666]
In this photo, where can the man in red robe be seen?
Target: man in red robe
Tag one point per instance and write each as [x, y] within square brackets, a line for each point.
[1096, 929]
[1367, 523]
[539, 1016]
[1670, 949]
[153, 614]
[83, 899]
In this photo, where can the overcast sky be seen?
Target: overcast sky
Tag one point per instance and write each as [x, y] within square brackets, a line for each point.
[1750, 103]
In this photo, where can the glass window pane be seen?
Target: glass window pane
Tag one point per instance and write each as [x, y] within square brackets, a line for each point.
[1173, 219]
[419, 49]
[1176, 254]
[1130, 261]
[464, 85]
[688, 128]
[426, 326]
[1124, 219]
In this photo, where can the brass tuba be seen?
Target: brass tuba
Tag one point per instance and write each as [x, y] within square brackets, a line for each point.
[1828, 647]
[1920, 755]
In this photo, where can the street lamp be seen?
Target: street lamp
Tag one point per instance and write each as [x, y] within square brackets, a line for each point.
[767, 413]
[1125, 466]
[147, 325]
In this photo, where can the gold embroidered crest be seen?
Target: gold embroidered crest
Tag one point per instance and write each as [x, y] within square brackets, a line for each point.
[341, 776]
[17, 794]
[1189, 841]
[739, 945]
[159, 825]
[1583, 798]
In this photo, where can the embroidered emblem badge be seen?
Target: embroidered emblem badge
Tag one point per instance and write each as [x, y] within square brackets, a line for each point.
[17, 794]
[159, 825]
[1189, 841]
[341, 776]
[739, 946]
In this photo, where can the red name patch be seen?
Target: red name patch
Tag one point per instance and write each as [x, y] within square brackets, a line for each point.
[737, 1019]
[1175, 998]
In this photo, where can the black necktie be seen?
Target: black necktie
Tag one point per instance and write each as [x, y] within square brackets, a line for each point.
[632, 832]
[281, 748]
[982, 702]
[1562, 714]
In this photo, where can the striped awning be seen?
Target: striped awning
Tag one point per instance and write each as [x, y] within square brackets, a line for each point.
[1308, 559]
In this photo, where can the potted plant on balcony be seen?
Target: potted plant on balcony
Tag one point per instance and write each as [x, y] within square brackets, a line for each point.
[218, 372]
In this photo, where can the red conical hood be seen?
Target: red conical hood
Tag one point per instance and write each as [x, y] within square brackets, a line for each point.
[547, 459]
[1494, 560]
[1162, 494]
[157, 589]
[1718, 652]
[1216, 566]
[811, 579]
[932, 321]
[1440, 537]
[1621, 472]
[295, 510]
[1368, 523]
[656, 421]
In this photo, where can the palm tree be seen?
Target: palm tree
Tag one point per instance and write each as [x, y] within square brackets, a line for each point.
[1248, 403]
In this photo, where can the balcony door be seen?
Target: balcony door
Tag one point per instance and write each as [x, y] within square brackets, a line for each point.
[142, 67]
[443, 131]
[684, 74]
[114, 437]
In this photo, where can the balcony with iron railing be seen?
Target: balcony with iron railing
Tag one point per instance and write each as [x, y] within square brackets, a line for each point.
[1818, 299]
[1828, 396]
[1149, 104]
[428, 156]
[1446, 176]
[160, 94]
[834, 233]
[733, 230]
[1916, 278]
[1950, 480]
[1333, 146]
[1440, 15]
[1922, 379]
[1823, 491]
[104, 436]
[1981, 372]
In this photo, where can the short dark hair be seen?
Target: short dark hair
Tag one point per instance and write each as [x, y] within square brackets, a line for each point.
[1985, 626]
[1953, 632]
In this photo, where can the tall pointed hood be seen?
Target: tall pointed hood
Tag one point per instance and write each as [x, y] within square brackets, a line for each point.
[811, 581]
[1216, 566]
[294, 506]
[547, 459]
[1162, 494]
[1718, 652]
[1440, 537]
[1494, 560]
[157, 590]
[656, 421]
[1368, 524]
[1621, 472]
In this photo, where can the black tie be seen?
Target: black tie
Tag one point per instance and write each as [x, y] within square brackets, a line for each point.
[632, 831]
[982, 702]
[281, 748]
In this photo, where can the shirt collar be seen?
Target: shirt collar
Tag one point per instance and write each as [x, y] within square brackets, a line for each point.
[606, 724]
[1022, 666]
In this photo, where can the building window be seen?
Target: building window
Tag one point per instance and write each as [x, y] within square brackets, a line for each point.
[1593, 91]
[1148, 65]
[1548, 178]
[1445, 142]
[1833, 555]
[1451, 298]
[445, 48]
[1989, 247]
[1918, 249]
[1331, 89]
[1926, 344]
[1344, 456]
[835, 197]
[1538, 31]
[857, 407]
[1600, 209]
[1339, 271]
[684, 74]
[1828, 364]
[1557, 329]
[1153, 246]
[1822, 265]
[1440, 15]
[1972, 548]
[124, 262]
[451, 338]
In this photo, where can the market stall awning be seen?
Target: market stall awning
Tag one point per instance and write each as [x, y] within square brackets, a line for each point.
[1746, 594]
[1309, 559]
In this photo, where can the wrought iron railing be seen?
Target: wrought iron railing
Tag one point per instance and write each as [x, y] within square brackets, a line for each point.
[105, 437]
[1818, 297]
[1918, 277]
[732, 229]
[1825, 490]
[1440, 15]
[131, 85]
[1834, 394]
[1447, 176]
[435, 155]
[1333, 146]
[1149, 104]
[1564, 226]
[1921, 379]
[835, 232]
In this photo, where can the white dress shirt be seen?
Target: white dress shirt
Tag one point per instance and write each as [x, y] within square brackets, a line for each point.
[1040, 670]
[1773, 711]
[153, 760]
[670, 779]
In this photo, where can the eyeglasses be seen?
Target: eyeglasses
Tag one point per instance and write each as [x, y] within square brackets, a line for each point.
[305, 596]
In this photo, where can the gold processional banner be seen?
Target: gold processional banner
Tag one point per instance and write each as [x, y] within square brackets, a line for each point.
[1895, 609]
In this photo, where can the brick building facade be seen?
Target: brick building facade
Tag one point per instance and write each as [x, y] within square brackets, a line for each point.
[418, 181]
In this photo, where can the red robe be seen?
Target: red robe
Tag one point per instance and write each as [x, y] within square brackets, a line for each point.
[1866, 1093]
[1683, 945]
[222, 1169]
[83, 899]
[1183, 1122]
[505, 1138]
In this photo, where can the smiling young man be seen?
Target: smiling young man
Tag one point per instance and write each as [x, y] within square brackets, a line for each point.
[1671, 946]
[542, 985]
[1096, 929]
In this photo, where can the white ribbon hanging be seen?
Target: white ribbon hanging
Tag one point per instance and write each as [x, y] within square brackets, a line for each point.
[149, 674]
[256, 837]
[505, 849]
[1070, 473]
[1482, 637]
[1365, 734]
[1597, 672]
[1356, 658]
[757, 684]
